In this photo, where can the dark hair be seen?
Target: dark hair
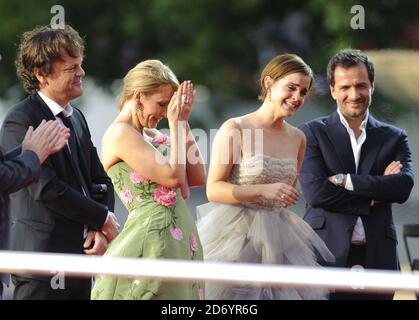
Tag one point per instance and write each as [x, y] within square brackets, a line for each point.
[281, 66]
[42, 46]
[348, 58]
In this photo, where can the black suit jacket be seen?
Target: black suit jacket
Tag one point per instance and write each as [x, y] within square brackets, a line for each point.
[17, 170]
[332, 211]
[50, 215]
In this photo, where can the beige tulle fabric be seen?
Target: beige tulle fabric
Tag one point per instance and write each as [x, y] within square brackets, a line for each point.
[259, 231]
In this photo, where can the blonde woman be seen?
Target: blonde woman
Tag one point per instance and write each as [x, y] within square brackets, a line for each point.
[148, 170]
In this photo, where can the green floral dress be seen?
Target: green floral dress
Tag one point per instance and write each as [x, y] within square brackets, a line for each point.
[160, 226]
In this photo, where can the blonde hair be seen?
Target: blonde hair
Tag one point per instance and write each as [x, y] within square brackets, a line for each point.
[281, 66]
[146, 77]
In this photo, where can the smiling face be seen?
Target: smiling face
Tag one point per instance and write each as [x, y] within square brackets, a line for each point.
[154, 106]
[64, 83]
[352, 91]
[288, 93]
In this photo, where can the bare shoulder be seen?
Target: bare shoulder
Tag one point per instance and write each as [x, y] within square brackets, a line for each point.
[113, 150]
[297, 134]
[120, 130]
[230, 124]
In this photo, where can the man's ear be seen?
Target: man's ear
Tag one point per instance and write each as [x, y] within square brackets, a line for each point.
[332, 92]
[42, 79]
[372, 88]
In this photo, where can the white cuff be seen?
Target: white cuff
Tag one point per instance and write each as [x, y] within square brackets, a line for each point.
[107, 217]
[348, 185]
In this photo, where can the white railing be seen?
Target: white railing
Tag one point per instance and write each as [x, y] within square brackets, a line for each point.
[227, 273]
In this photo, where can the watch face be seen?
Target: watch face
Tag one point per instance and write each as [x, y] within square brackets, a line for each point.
[339, 179]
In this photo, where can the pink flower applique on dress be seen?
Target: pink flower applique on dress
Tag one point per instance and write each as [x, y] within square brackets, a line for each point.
[136, 178]
[193, 243]
[176, 233]
[161, 139]
[165, 196]
[126, 196]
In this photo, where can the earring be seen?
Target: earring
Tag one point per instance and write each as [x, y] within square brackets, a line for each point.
[134, 114]
[138, 106]
[268, 95]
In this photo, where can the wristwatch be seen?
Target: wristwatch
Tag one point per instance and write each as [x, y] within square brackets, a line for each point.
[339, 179]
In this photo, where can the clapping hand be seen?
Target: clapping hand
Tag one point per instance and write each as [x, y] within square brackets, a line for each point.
[48, 138]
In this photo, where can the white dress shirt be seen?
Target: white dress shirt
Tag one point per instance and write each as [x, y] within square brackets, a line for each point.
[56, 109]
[358, 235]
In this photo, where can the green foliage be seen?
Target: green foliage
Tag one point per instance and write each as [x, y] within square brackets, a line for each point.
[220, 44]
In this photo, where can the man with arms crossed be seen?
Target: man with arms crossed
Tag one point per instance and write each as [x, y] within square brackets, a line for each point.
[354, 168]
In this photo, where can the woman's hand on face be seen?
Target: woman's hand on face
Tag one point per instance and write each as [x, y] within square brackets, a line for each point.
[180, 106]
[173, 109]
[281, 192]
[187, 99]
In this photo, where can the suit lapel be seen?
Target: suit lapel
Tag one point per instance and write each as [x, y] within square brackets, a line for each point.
[79, 130]
[371, 146]
[43, 108]
[341, 142]
[48, 115]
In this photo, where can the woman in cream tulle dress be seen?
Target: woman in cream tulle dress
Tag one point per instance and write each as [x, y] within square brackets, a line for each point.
[251, 182]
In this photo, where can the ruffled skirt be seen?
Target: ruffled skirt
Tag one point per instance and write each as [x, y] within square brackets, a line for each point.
[234, 233]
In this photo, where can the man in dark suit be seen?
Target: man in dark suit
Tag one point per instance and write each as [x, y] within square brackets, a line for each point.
[354, 168]
[59, 212]
[21, 166]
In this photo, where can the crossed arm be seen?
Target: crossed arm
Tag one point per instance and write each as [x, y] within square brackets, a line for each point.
[389, 187]
[320, 192]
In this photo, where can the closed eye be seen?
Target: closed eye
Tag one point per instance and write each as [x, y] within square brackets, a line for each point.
[72, 68]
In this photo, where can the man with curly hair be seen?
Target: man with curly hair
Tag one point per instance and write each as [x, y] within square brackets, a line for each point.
[58, 213]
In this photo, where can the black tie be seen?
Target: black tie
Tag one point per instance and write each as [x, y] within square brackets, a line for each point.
[75, 156]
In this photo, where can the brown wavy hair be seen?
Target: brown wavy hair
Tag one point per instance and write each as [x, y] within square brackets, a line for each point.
[42, 46]
[281, 66]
